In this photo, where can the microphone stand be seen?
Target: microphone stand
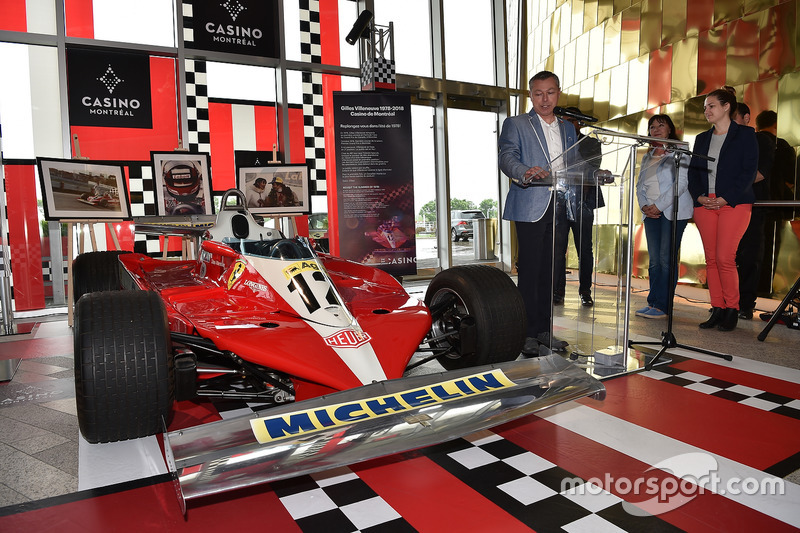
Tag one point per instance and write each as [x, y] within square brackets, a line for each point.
[667, 337]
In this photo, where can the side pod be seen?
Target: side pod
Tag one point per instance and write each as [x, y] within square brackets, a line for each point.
[371, 421]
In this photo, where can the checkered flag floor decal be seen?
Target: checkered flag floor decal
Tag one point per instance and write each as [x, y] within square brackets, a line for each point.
[529, 488]
[337, 500]
[760, 399]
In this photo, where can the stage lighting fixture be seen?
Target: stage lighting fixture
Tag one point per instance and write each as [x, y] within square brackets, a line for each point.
[360, 27]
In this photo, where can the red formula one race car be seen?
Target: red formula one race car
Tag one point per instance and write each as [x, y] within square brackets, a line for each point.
[101, 196]
[328, 342]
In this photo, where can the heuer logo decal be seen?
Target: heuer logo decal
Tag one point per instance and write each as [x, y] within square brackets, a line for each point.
[238, 269]
[299, 267]
[347, 338]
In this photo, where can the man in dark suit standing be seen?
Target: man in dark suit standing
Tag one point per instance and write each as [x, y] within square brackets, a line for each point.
[575, 205]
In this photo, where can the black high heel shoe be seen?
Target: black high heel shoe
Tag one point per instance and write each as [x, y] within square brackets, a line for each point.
[715, 318]
[730, 318]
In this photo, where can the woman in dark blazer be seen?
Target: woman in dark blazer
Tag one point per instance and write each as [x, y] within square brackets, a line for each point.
[722, 191]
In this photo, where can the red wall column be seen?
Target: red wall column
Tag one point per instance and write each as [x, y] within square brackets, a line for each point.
[24, 242]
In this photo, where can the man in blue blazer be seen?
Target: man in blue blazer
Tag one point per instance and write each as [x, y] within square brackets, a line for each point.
[531, 148]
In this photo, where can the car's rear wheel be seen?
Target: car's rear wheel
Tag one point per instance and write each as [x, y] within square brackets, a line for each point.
[123, 366]
[478, 316]
[97, 271]
[454, 234]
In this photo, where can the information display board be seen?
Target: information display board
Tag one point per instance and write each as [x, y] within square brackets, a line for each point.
[375, 180]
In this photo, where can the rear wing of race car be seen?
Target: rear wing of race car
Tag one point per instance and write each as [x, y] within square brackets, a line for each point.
[367, 422]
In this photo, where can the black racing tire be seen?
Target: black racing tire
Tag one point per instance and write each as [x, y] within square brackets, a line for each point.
[85, 196]
[124, 383]
[97, 271]
[491, 299]
[454, 234]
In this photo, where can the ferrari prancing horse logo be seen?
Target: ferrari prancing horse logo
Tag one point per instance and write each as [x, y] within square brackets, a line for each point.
[238, 269]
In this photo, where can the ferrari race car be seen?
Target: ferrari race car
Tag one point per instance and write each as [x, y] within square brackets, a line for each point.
[101, 197]
[327, 342]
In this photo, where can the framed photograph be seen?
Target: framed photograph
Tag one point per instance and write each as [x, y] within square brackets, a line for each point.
[276, 189]
[182, 183]
[83, 189]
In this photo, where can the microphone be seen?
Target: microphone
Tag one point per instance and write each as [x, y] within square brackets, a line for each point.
[564, 112]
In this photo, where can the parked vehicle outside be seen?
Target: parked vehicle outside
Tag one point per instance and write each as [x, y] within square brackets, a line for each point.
[461, 223]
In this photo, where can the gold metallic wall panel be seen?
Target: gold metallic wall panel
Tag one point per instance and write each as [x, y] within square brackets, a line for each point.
[605, 10]
[621, 5]
[742, 54]
[711, 59]
[754, 6]
[789, 108]
[630, 31]
[624, 60]
[569, 64]
[777, 29]
[555, 32]
[577, 18]
[596, 38]
[602, 95]
[637, 84]
[727, 10]
[619, 92]
[565, 35]
[589, 14]
[612, 42]
[582, 57]
[694, 122]
[650, 39]
[684, 69]
[759, 96]
[587, 99]
[673, 21]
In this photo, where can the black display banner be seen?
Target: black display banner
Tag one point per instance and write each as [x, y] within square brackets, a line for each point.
[375, 180]
[235, 26]
[109, 89]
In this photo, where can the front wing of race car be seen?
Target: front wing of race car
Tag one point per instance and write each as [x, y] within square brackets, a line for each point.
[367, 422]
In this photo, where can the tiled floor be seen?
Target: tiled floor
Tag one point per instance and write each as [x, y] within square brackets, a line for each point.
[743, 413]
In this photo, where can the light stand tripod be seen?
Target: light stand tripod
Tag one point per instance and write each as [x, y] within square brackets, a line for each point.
[667, 337]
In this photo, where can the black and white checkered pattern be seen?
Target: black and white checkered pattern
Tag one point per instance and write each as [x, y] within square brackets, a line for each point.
[760, 399]
[337, 500]
[197, 107]
[529, 487]
[377, 71]
[313, 117]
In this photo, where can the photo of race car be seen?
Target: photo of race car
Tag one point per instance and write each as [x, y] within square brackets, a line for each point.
[102, 196]
[335, 346]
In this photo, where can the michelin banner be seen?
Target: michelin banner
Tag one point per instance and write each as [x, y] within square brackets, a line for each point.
[375, 180]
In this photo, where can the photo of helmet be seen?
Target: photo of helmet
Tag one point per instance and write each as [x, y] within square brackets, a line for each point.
[181, 178]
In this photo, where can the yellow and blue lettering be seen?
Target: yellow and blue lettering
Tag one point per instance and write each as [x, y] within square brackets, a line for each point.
[442, 393]
[297, 423]
[485, 382]
[380, 406]
[345, 412]
[417, 397]
[324, 418]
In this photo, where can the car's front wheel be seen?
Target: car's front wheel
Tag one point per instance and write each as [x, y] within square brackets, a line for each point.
[477, 314]
[123, 365]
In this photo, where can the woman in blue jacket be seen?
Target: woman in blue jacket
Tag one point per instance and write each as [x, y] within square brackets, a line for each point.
[722, 190]
[655, 192]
